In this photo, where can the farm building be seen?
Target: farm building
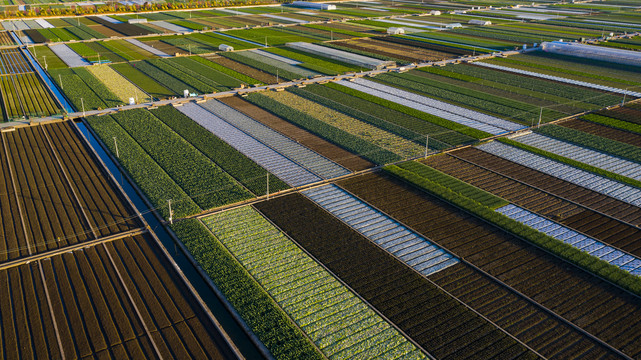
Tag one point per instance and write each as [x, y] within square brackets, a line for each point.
[619, 56]
[224, 47]
[137, 21]
[479, 22]
[313, 5]
[435, 12]
[453, 26]
[340, 55]
[395, 31]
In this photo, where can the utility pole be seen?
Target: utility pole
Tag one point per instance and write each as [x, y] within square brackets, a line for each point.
[60, 78]
[268, 186]
[277, 81]
[171, 213]
[623, 101]
[82, 101]
[427, 140]
[116, 145]
[540, 116]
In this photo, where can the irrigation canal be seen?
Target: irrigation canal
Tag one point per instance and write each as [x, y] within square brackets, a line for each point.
[241, 339]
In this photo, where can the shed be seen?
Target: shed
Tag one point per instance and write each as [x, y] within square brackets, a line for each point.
[479, 22]
[224, 47]
[395, 31]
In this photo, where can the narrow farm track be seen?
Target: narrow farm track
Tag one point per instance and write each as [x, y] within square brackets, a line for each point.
[577, 296]
[92, 307]
[599, 226]
[439, 323]
[603, 131]
[321, 146]
[563, 189]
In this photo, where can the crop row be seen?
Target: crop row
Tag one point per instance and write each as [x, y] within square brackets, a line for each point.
[613, 123]
[570, 66]
[400, 146]
[417, 252]
[553, 106]
[575, 172]
[332, 134]
[569, 92]
[303, 156]
[155, 183]
[24, 94]
[52, 215]
[629, 113]
[410, 111]
[206, 183]
[582, 242]
[271, 325]
[117, 84]
[441, 325]
[457, 114]
[242, 78]
[554, 283]
[611, 133]
[556, 246]
[288, 171]
[471, 192]
[13, 62]
[563, 80]
[604, 218]
[174, 71]
[464, 96]
[383, 117]
[94, 295]
[243, 169]
[145, 82]
[256, 64]
[592, 141]
[315, 93]
[578, 153]
[331, 151]
[221, 80]
[336, 320]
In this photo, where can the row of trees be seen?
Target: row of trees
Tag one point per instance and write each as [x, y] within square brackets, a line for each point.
[114, 7]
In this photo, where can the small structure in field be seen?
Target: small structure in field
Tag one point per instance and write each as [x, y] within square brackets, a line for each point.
[479, 22]
[313, 5]
[395, 31]
[224, 47]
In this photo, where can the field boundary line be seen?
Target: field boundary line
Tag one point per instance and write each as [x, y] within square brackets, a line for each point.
[545, 309]
[53, 314]
[70, 248]
[64, 172]
[15, 191]
[416, 271]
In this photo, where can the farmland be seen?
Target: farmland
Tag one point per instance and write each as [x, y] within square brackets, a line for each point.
[442, 180]
[546, 274]
[36, 219]
[64, 298]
